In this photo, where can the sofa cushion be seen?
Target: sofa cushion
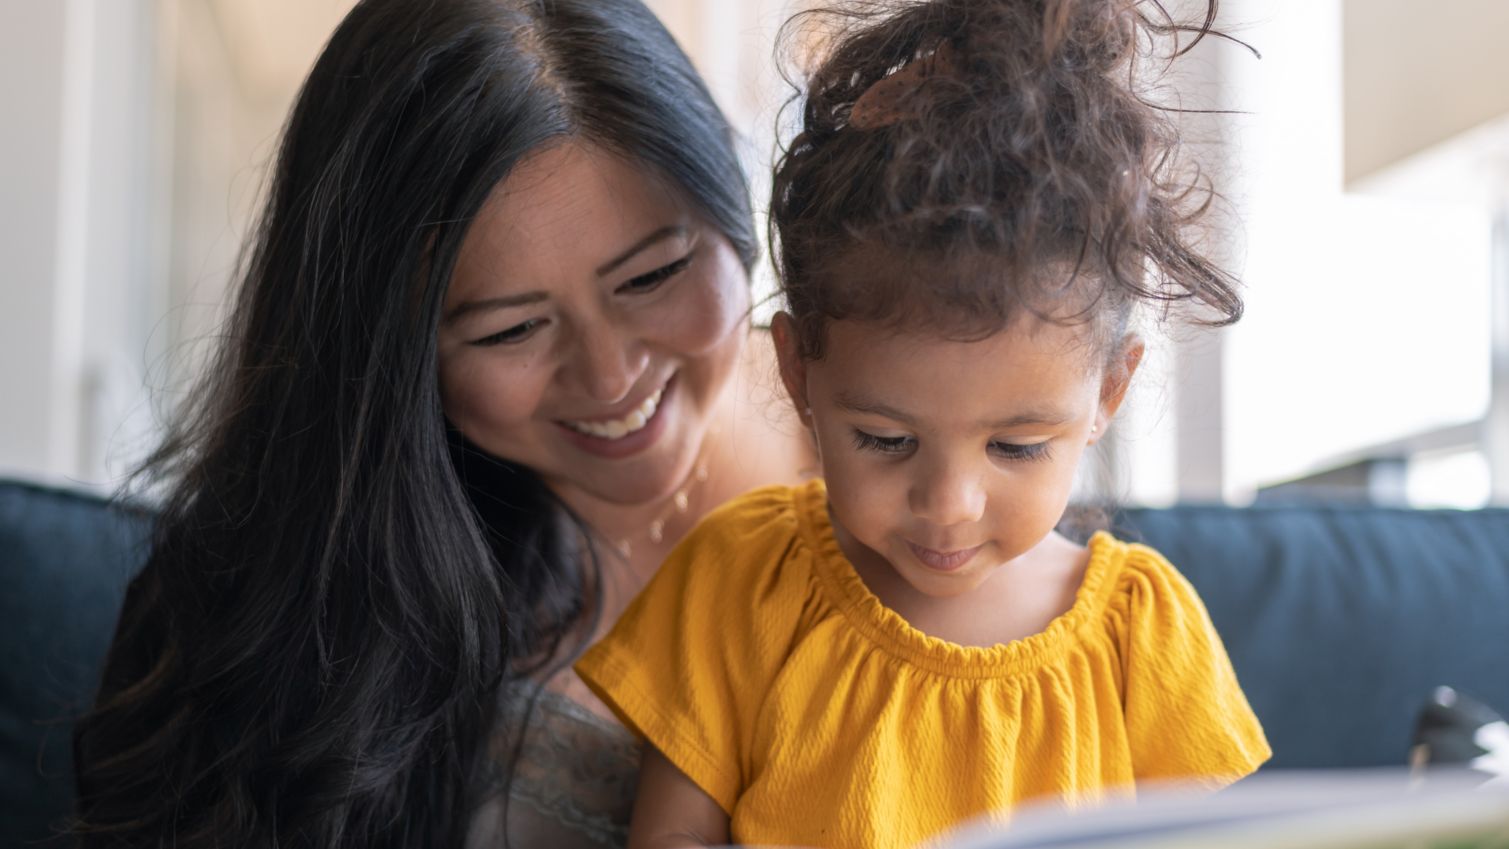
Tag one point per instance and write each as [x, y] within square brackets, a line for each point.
[1341, 621]
[65, 558]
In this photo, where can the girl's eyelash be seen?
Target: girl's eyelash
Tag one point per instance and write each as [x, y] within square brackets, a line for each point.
[513, 335]
[882, 444]
[901, 444]
[648, 282]
[1013, 451]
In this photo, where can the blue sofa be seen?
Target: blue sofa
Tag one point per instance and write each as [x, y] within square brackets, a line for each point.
[1340, 622]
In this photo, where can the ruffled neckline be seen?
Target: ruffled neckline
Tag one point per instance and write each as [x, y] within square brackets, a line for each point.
[887, 629]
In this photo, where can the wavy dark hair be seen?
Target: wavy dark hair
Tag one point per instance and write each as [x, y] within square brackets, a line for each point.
[339, 585]
[1029, 169]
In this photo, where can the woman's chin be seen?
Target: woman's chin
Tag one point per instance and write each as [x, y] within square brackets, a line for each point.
[645, 478]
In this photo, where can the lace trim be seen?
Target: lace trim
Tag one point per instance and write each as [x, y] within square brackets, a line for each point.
[575, 769]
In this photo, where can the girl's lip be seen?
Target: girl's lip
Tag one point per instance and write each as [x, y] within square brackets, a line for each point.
[627, 446]
[943, 561]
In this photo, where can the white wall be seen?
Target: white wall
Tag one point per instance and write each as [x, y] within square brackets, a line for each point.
[33, 321]
[1367, 308]
[1368, 312]
[76, 300]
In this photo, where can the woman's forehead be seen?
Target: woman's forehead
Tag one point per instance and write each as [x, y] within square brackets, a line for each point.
[567, 207]
[576, 181]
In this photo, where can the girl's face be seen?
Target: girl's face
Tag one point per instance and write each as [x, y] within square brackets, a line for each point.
[591, 326]
[946, 460]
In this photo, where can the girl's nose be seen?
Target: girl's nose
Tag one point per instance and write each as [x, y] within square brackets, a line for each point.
[608, 364]
[948, 496]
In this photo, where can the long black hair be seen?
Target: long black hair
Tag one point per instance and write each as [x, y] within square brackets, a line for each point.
[338, 584]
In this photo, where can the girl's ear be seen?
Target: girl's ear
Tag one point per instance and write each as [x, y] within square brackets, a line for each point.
[793, 370]
[1113, 386]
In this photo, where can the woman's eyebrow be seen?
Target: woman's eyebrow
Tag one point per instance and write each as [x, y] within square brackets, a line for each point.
[468, 307]
[657, 236]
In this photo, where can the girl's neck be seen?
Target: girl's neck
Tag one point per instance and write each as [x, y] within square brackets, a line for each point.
[1018, 600]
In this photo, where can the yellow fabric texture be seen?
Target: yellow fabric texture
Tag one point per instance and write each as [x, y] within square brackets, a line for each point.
[759, 663]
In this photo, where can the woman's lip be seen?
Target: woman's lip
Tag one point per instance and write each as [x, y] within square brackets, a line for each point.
[943, 561]
[627, 446]
[626, 408]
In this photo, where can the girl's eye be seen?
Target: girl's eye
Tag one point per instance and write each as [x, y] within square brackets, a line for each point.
[1013, 451]
[882, 444]
[649, 282]
[513, 335]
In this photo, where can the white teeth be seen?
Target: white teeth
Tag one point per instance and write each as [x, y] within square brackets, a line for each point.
[619, 428]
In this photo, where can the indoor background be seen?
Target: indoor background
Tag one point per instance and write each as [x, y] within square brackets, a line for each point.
[1365, 171]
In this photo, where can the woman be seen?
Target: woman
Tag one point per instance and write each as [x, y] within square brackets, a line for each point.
[490, 358]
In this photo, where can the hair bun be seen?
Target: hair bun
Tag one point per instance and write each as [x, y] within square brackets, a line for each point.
[1013, 135]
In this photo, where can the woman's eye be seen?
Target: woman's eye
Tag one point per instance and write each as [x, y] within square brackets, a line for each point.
[513, 335]
[1014, 451]
[649, 282]
[882, 444]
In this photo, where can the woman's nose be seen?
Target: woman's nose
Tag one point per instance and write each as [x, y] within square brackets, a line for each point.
[948, 495]
[608, 364]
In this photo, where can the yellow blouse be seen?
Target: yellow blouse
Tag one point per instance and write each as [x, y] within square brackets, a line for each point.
[759, 663]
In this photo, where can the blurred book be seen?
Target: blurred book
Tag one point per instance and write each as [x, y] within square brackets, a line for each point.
[1393, 809]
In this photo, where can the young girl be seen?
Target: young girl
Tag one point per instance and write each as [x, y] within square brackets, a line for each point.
[977, 201]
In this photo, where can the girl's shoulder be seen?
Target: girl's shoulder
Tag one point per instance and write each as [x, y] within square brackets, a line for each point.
[1183, 708]
[1155, 616]
[748, 553]
[1138, 576]
[767, 513]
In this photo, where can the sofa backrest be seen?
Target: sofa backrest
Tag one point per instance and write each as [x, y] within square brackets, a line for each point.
[65, 560]
[1341, 621]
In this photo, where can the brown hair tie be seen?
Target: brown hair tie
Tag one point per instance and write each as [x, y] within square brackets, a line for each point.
[882, 103]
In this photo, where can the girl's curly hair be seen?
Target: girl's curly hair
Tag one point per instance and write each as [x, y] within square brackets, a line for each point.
[1030, 170]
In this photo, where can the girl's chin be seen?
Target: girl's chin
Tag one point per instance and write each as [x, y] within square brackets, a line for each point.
[949, 587]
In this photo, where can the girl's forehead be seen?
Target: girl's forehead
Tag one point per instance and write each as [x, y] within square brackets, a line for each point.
[1024, 340]
[963, 294]
[1029, 366]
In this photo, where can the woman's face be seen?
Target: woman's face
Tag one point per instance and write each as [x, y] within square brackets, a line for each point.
[591, 326]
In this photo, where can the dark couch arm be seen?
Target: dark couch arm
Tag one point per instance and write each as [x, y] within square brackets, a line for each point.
[65, 560]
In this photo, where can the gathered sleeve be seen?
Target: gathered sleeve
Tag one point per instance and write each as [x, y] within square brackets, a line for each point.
[688, 664]
[1186, 716]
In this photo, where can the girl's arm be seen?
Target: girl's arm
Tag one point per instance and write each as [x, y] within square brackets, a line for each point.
[671, 812]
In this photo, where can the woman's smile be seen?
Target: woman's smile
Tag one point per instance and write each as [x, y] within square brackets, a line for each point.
[619, 425]
[625, 435]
